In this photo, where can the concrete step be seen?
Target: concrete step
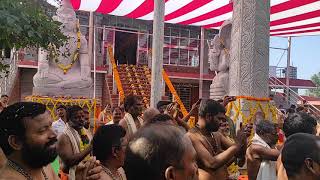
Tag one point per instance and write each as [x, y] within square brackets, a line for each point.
[114, 96]
[109, 76]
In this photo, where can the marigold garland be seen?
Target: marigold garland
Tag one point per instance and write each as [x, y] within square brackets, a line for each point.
[253, 108]
[174, 92]
[116, 74]
[84, 142]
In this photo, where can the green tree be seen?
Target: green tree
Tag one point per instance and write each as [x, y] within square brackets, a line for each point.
[316, 80]
[27, 23]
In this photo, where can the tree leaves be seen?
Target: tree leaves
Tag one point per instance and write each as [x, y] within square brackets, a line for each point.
[316, 80]
[25, 23]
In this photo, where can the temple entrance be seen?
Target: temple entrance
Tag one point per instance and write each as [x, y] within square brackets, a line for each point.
[126, 48]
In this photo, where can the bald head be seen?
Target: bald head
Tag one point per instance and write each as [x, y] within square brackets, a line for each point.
[153, 149]
[149, 114]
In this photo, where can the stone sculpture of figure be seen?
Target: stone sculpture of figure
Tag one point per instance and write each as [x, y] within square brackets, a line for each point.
[219, 58]
[53, 78]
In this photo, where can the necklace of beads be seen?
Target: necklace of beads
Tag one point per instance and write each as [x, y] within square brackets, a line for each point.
[113, 177]
[23, 172]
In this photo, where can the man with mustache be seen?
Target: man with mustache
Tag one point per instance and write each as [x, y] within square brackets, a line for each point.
[28, 141]
[74, 144]
[131, 121]
[214, 151]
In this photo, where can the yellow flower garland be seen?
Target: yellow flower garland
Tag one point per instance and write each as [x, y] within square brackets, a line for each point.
[174, 92]
[53, 53]
[83, 145]
[116, 74]
[236, 106]
[233, 169]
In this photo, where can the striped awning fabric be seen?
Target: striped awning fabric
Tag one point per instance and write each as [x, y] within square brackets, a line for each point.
[288, 17]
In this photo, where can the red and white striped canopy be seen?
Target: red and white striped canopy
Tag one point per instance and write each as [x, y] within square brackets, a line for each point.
[288, 17]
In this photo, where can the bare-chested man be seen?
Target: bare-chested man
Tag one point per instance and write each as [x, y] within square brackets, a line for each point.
[209, 143]
[131, 121]
[261, 153]
[73, 145]
[29, 142]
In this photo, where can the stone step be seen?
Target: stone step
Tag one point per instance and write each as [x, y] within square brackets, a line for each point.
[114, 96]
[109, 76]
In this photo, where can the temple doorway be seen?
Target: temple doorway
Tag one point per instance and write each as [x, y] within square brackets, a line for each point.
[126, 48]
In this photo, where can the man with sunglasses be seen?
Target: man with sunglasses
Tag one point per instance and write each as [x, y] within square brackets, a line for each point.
[214, 151]
[109, 145]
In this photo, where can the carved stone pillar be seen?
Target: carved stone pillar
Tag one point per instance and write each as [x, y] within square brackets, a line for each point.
[249, 64]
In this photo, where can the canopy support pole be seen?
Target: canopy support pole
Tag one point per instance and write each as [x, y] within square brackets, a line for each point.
[94, 63]
[288, 69]
[201, 63]
[157, 52]
[90, 45]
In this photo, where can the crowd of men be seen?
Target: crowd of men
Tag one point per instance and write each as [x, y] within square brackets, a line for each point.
[155, 144]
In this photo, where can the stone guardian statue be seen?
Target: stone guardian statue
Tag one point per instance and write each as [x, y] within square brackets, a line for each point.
[65, 71]
[219, 59]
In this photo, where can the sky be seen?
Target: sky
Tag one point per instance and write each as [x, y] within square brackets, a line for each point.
[305, 54]
[53, 2]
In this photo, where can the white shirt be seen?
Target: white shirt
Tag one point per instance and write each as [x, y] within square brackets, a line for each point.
[58, 126]
[110, 122]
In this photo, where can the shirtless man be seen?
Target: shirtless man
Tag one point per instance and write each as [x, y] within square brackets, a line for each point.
[131, 121]
[29, 142]
[68, 146]
[209, 143]
[262, 154]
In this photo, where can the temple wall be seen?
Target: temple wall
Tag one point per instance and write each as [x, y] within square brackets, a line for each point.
[26, 82]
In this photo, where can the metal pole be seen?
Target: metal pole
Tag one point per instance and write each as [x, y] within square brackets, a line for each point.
[157, 52]
[90, 45]
[288, 68]
[201, 62]
[104, 57]
[94, 63]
